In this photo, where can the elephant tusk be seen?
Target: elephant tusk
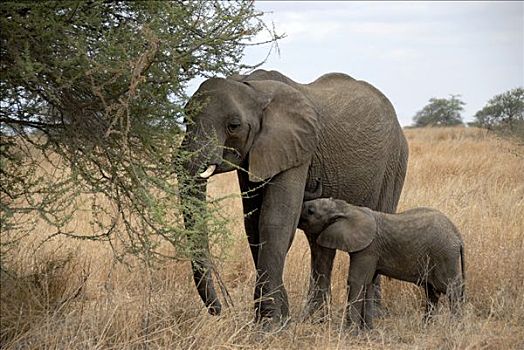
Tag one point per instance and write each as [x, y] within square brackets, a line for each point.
[209, 171]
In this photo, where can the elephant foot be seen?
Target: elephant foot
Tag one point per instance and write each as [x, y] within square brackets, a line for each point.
[271, 321]
[358, 329]
[271, 325]
[379, 310]
[353, 329]
[272, 314]
[315, 312]
[267, 328]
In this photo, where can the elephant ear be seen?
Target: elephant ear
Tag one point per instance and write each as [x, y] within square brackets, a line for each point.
[349, 232]
[288, 131]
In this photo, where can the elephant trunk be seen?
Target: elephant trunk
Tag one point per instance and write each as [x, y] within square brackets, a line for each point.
[192, 197]
[205, 150]
[192, 180]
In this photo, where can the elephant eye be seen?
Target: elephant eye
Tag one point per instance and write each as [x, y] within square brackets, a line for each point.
[233, 126]
[310, 211]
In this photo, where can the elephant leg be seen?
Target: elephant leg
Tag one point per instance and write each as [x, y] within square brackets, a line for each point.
[455, 301]
[280, 211]
[455, 294]
[369, 305]
[362, 271]
[356, 293]
[251, 203]
[377, 297]
[320, 279]
[432, 297]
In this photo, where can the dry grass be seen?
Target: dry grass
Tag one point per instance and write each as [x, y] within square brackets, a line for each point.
[73, 295]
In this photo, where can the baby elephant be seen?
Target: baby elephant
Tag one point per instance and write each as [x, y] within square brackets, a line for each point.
[419, 245]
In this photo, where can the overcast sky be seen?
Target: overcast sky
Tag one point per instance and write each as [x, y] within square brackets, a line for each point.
[411, 51]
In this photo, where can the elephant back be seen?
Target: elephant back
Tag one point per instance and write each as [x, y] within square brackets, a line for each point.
[362, 152]
[261, 74]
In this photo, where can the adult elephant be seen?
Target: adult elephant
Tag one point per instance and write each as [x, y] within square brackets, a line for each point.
[283, 137]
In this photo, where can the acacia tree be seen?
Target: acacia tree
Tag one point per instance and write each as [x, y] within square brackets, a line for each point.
[440, 112]
[91, 100]
[505, 110]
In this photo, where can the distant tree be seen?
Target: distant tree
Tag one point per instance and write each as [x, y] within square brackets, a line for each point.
[505, 110]
[91, 99]
[440, 112]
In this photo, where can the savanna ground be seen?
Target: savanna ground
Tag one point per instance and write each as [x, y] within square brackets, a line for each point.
[73, 294]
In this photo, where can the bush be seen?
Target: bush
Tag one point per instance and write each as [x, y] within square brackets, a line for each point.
[91, 97]
[504, 113]
[440, 112]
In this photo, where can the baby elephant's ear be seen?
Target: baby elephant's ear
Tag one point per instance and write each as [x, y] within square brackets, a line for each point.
[350, 233]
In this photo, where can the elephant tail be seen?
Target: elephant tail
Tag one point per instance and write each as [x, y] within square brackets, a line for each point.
[463, 271]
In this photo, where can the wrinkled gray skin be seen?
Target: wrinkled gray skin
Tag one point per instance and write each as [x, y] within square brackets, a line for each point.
[286, 135]
[420, 245]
